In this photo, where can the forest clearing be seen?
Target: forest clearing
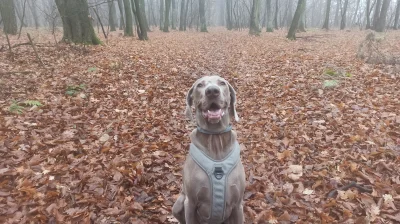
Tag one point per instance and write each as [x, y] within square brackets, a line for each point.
[95, 132]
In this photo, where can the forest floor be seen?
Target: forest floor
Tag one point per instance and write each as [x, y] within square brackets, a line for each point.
[109, 139]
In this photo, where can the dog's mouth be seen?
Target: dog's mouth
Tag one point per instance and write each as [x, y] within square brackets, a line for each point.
[213, 113]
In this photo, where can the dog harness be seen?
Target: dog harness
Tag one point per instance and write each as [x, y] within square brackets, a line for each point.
[217, 171]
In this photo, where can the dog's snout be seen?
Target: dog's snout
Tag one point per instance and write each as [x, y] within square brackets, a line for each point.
[212, 92]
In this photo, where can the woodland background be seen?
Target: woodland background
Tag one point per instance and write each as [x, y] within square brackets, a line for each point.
[92, 98]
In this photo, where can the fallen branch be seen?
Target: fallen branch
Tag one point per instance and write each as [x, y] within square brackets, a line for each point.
[34, 49]
[16, 72]
[9, 47]
[348, 186]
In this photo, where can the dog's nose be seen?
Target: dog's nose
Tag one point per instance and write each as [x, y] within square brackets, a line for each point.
[212, 92]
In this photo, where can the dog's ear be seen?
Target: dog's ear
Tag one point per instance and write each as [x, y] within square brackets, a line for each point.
[232, 106]
[189, 103]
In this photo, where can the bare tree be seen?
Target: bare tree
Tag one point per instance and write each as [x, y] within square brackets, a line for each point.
[255, 18]
[380, 24]
[128, 31]
[121, 12]
[7, 11]
[112, 16]
[376, 13]
[327, 12]
[202, 12]
[396, 18]
[140, 15]
[77, 25]
[276, 15]
[229, 14]
[302, 24]
[337, 18]
[295, 22]
[173, 15]
[368, 14]
[268, 21]
[161, 14]
[182, 18]
[344, 15]
[166, 17]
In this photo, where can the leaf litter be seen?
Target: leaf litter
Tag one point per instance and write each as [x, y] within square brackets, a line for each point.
[116, 154]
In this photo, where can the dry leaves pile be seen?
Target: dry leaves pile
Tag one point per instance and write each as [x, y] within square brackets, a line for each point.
[112, 149]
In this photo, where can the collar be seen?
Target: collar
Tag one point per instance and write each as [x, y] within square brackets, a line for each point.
[227, 129]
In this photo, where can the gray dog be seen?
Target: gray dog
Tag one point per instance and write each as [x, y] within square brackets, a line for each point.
[213, 175]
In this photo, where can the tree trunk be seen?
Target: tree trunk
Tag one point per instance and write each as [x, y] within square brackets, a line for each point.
[182, 16]
[376, 13]
[327, 12]
[368, 15]
[32, 6]
[380, 25]
[202, 11]
[143, 12]
[302, 25]
[166, 17]
[268, 21]
[229, 25]
[255, 18]
[338, 5]
[344, 12]
[77, 25]
[161, 14]
[128, 31]
[396, 18]
[140, 14]
[186, 13]
[276, 15]
[121, 12]
[112, 16]
[353, 21]
[7, 11]
[173, 15]
[295, 22]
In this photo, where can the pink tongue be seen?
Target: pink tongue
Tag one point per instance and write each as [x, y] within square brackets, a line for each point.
[214, 114]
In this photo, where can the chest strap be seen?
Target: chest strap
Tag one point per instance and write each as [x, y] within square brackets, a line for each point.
[217, 172]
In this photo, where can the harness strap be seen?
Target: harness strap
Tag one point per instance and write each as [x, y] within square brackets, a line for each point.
[217, 172]
[227, 129]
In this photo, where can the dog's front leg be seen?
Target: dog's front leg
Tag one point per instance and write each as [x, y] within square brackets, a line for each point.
[237, 216]
[190, 212]
[178, 210]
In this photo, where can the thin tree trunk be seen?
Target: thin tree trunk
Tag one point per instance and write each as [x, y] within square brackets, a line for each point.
[186, 13]
[269, 16]
[276, 15]
[255, 18]
[111, 15]
[202, 11]
[344, 12]
[121, 12]
[353, 21]
[380, 25]
[161, 14]
[302, 24]
[143, 11]
[327, 12]
[182, 16]
[337, 18]
[376, 13]
[173, 15]
[7, 11]
[368, 14]
[23, 17]
[295, 22]
[32, 6]
[128, 19]
[77, 26]
[396, 18]
[166, 17]
[140, 15]
[229, 15]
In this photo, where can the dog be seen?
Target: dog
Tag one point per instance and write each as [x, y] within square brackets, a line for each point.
[213, 174]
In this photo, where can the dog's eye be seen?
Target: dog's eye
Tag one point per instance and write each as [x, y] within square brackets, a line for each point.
[200, 85]
[222, 83]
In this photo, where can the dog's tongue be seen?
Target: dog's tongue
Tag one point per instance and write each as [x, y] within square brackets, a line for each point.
[213, 114]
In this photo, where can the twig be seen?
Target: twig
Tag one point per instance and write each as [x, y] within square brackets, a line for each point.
[17, 45]
[15, 72]
[348, 186]
[101, 24]
[34, 49]
[22, 23]
[9, 48]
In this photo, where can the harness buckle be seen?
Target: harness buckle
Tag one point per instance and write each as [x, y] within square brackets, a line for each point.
[218, 173]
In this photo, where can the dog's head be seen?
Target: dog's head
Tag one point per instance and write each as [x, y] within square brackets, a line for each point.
[214, 100]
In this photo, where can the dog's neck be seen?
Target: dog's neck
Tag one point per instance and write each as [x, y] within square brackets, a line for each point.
[216, 146]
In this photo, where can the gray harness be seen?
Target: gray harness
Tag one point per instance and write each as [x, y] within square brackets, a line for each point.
[217, 172]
